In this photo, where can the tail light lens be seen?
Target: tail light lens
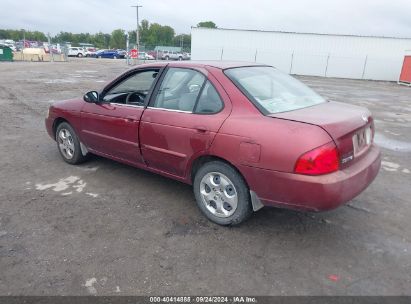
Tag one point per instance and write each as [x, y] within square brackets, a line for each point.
[321, 160]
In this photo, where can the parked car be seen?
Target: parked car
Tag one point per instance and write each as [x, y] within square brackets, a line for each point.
[154, 54]
[52, 48]
[12, 46]
[9, 45]
[75, 52]
[145, 56]
[113, 54]
[121, 53]
[167, 55]
[186, 56]
[244, 135]
[90, 52]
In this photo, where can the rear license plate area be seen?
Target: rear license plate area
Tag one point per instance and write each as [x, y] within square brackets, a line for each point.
[362, 140]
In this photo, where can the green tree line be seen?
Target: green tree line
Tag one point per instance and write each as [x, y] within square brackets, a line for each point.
[151, 35]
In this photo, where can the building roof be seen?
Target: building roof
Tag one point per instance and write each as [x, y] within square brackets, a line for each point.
[200, 63]
[301, 33]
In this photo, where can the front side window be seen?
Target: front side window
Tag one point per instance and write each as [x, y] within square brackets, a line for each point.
[179, 90]
[132, 90]
[271, 90]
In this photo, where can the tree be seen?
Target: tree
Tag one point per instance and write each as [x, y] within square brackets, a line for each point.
[118, 39]
[99, 40]
[151, 35]
[207, 24]
[183, 40]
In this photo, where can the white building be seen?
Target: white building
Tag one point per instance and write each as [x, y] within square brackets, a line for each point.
[344, 56]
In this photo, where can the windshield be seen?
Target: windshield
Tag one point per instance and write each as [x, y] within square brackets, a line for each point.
[273, 91]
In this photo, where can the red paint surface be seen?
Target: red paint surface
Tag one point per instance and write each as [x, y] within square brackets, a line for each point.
[334, 277]
[264, 149]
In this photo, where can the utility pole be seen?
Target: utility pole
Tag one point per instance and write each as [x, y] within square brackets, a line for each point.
[50, 48]
[128, 48]
[137, 31]
[24, 39]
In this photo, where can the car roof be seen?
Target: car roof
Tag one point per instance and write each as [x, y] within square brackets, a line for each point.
[200, 63]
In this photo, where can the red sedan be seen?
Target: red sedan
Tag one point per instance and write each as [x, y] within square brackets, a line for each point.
[244, 135]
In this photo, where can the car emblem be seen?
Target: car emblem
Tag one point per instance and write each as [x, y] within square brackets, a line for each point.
[364, 117]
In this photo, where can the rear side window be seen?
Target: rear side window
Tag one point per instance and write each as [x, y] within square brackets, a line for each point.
[179, 90]
[209, 101]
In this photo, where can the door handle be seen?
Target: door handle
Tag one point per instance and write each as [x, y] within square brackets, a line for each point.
[201, 129]
[130, 119]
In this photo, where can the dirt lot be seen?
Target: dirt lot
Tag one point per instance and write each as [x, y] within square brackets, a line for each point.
[104, 228]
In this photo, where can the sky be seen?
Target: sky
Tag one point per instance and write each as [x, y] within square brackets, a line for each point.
[356, 17]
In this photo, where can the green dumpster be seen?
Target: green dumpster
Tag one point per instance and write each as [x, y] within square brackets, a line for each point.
[6, 54]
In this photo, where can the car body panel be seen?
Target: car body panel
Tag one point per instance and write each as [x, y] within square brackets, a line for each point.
[340, 120]
[313, 193]
[170, 140]
[112, 129]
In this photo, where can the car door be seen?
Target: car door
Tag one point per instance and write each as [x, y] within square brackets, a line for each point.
[182, 119]
[110, 127]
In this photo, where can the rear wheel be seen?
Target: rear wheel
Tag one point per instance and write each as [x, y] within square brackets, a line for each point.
[167, 58]
[79, 55]
[68, 144]
[222, 194]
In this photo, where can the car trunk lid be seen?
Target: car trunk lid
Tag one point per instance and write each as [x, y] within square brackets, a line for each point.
[351, 127]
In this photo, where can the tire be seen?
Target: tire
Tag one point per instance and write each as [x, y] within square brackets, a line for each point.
[167, 58]
[225, 186]
[68, 144]
[79, 55]
[99, 57]
[114, 57]
[180, 58]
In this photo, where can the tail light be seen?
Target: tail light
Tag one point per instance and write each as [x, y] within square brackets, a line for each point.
[321, 160]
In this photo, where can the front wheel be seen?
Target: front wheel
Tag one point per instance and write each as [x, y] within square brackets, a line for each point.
[68, 144]
[222, 194]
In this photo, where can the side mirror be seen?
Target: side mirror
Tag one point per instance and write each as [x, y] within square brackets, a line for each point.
[91, 97]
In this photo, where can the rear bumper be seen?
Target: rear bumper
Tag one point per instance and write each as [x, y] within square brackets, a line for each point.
[315, 193]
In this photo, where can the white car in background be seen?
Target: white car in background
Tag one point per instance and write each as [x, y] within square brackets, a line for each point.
[90, 52]
[145, 56]
[75, 51]
[12, 46]
[167, 55]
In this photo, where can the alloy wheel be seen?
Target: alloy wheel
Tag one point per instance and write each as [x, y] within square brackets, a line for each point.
[66, 143]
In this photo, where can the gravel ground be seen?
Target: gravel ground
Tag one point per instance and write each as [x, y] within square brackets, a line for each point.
[104, 228]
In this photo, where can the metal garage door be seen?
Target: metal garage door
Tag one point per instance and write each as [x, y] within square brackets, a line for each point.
[405, 76]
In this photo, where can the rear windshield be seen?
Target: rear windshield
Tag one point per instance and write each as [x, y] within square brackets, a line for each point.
[273, 91]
